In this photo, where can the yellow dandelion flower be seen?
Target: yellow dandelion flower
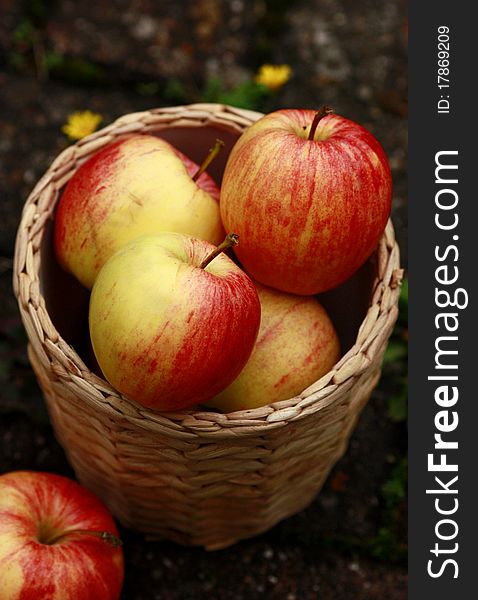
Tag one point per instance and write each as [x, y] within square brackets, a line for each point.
[273, 76]
[81, 123]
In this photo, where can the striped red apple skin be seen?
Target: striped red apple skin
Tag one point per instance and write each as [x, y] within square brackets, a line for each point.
[308, 212]
[138, 185]
[35, 508]
[166, 332]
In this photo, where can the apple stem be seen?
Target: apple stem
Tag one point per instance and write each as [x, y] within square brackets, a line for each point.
[230, 240]
[213, 152]
[106, 536]
[320, 114]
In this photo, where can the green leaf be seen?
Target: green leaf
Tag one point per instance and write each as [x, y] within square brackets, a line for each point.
[24, 32]
[212, 90]
[397, 407]
[53, 60]
[396, 351]
[174, 90]
[394, 489]
[403, 305]
[246, 95]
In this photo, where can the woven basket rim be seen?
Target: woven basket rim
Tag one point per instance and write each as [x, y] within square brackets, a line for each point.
[66, 365]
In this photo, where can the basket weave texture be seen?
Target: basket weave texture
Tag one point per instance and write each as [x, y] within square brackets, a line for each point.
[197, 477]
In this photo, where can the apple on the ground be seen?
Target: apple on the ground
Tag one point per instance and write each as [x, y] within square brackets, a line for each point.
[136, 186]
[57, 540]
[296, 345]
[173, 320]
[309, 194]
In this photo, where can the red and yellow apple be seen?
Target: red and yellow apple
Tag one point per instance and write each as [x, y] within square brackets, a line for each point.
[136, 186]
[309, 195]
[57, 541]
[167, 330]
[296, 345]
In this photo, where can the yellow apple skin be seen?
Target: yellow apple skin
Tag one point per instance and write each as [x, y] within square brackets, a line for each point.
[167, 333]
[138, 186]
[296, 345]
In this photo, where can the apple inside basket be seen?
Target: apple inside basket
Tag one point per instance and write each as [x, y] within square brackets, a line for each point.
[346, 304]
[195, 476]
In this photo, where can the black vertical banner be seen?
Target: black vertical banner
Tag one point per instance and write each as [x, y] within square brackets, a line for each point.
[443, 252]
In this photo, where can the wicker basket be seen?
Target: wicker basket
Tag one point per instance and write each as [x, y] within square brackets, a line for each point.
[197, 477]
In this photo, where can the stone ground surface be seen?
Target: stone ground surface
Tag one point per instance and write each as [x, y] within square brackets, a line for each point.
[119, 56]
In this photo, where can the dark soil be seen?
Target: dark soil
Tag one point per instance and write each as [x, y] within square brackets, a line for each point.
[119, 56]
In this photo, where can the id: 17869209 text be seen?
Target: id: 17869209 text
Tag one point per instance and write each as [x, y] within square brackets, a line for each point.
[443, 66]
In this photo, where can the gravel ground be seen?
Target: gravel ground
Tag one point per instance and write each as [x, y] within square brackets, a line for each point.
[119, 56]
